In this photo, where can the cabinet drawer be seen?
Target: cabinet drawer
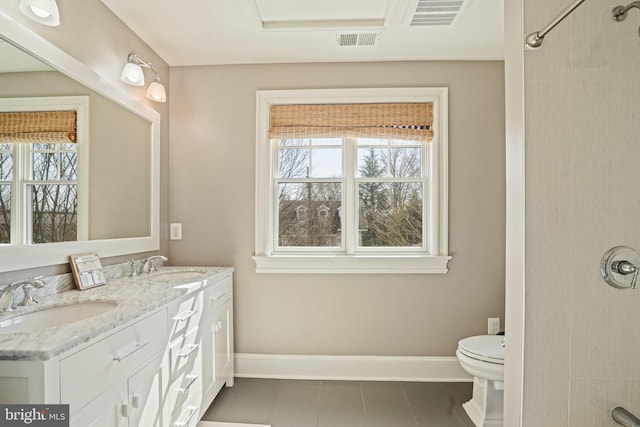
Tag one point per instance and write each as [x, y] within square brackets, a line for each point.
[188, 417]
[185, 315]
[83, 375]
[184, 354]
[217, 294]
[185, 393]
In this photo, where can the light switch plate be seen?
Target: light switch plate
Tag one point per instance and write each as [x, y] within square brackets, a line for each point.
[175, 231]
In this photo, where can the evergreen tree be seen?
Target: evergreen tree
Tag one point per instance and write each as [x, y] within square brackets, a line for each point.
[374, 201]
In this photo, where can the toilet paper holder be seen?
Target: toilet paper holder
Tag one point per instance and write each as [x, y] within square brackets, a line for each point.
[619, 267]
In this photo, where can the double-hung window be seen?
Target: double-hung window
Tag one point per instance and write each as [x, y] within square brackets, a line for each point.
[352, 181]
[42, 198]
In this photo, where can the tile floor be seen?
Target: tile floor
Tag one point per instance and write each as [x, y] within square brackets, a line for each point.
[296, 403]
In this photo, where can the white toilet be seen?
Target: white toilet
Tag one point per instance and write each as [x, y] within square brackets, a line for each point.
[483, 357]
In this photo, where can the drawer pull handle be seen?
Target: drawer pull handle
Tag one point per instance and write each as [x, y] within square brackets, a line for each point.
[185, 389]
[187, 353]
[186, 316]
[138, 347]
[193, 410]
[219, 295]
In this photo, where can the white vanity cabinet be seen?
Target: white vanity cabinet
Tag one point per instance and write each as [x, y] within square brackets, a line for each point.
[183, 361]
[217, 326]
[131, 403]
[162, 369]
[112, 379]
[200, 358]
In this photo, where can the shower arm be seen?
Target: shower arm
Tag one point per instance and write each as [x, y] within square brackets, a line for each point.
[535, 39]
[624, 417]
[620, 12]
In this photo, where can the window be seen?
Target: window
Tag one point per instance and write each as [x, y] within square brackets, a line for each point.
[41, 196]
[352, 181]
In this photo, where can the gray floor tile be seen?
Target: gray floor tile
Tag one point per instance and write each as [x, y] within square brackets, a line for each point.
[289, 403]
[341, 405]
[432, 406]
[296, 404]
[386, 405]
[249, 402]
[461, 392]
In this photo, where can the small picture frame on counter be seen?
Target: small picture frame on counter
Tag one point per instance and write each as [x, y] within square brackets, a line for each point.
[87, 270]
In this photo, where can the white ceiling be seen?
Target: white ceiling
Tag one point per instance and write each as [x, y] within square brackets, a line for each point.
[207, 32]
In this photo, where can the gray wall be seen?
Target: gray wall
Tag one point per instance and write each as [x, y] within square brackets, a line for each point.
[212, 179]
[104, 49]
[582, 189]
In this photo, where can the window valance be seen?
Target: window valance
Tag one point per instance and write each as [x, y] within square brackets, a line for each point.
[49, 127]
[406, 121]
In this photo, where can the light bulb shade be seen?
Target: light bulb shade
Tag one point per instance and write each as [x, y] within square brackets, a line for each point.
[42, 11]
[156, 92]
[132, 74]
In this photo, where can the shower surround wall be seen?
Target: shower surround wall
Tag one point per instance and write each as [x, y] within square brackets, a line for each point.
[582, 337]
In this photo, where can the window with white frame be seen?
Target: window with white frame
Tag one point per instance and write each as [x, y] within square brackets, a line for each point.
[352, 181]
[42, 198]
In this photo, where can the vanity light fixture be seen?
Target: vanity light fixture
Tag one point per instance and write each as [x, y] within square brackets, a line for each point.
[42, 11]
[156, 91]
[132, 74]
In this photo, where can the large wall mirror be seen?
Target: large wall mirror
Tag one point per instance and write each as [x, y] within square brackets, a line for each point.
[119, 140]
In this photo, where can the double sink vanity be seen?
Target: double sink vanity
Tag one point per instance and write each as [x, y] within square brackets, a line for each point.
[149, 350]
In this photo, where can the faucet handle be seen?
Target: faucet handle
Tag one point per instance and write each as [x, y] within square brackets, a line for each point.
[34, 283]
[149, 266]
[28, 298]
[38, 282]
[137, 266]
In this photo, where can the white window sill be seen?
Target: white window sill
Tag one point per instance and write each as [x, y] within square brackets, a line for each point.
[352, 264]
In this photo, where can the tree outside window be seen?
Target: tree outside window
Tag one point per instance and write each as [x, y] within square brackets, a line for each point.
[38, 177]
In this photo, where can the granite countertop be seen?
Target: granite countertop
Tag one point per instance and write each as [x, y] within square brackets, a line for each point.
[134, 296]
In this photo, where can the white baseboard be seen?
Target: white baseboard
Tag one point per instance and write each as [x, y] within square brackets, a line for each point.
[218, 424]
[354, 368]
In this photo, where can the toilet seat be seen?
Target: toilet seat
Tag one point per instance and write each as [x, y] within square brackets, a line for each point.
[486, 348]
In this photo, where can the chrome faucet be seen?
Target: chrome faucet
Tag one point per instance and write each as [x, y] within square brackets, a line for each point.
[27, 285]
[149, 267]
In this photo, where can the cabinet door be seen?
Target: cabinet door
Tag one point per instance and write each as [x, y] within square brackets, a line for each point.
[145, 396]
[207, 329]
[109, 409]
[223, 328]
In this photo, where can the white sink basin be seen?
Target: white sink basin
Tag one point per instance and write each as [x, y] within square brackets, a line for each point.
[54, 316]
[177, 275]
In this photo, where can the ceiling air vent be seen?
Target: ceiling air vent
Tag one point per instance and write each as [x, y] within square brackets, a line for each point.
[357, 39]
[436, 12]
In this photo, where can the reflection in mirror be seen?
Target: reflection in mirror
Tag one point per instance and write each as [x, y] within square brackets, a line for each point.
[42, 194]
[116, 153]
[118, 169]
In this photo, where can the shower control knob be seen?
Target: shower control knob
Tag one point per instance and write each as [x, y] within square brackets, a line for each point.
[618, 267]
[623, 267]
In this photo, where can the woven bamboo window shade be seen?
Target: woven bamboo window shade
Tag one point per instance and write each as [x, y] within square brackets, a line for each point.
[45, 127]
[388, 121]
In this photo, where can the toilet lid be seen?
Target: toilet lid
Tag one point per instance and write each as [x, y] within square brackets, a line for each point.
[483, 347]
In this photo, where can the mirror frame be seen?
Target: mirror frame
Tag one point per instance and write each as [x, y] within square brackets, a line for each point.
[17, 257]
